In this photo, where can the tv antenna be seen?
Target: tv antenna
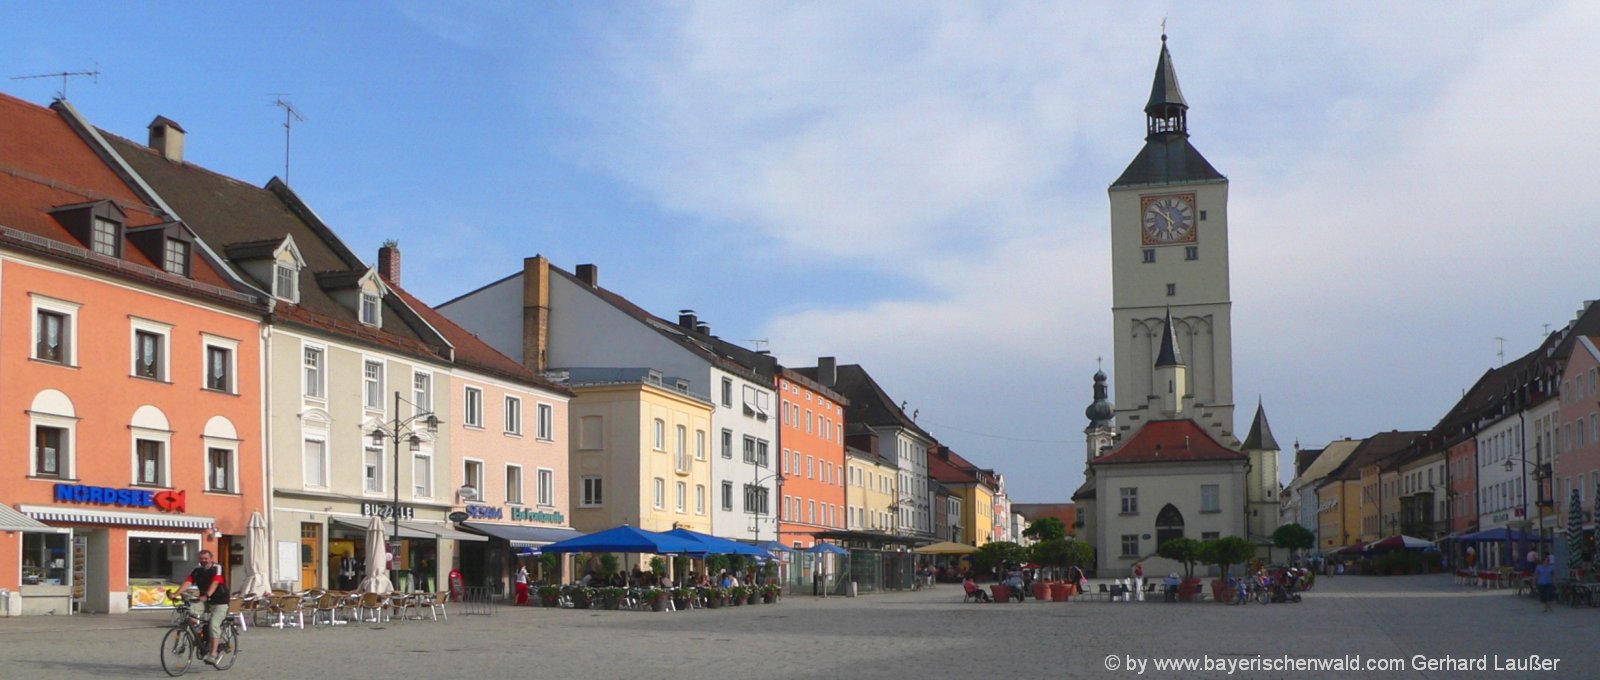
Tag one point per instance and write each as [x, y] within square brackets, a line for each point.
[758, 344]
[93, 76]
[290, 115]
[1502, 351]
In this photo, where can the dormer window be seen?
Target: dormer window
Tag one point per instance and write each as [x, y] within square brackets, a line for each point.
[106, 238]
[177, 257]
[369, 310]
[285, 283]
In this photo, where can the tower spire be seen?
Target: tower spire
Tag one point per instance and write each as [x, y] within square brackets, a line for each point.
[1168, 356]
[1166, 113]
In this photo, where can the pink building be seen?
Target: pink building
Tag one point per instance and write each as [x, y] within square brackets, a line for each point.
[1577, 433]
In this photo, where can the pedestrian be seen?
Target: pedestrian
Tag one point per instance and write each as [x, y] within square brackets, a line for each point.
[1138, 580]
[1544, 577]
[522, 583]
[207, 579]
[347, 571]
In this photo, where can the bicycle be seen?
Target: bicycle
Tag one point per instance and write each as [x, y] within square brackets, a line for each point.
[1241, 591]
[192, 636]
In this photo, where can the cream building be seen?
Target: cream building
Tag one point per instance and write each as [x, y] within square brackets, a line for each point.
[640, 456]
[871, 492]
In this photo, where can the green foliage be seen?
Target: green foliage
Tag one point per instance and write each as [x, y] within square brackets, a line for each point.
[990, 555]
[1294, 537]
[1185, 551]
[1046, 529]
[550, 564]
[1062, 552]
[1226, 552]
[608, 563]
[658, 565]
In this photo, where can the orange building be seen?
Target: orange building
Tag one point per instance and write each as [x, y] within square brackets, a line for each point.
[131, 365]
[811, 441]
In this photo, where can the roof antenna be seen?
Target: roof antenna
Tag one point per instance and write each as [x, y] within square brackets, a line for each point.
[1502, 351]
[290, 115]
[758, 343]
[93, 75]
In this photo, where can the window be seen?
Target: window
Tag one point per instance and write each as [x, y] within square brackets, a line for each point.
[150, 462]
[699, 499]
[1130, 545]
[547, 422]
[1210, 535]
[699, 444]
[472, 476]
[592, 496]
[473, 404]
[811, 512]
[51, 337]
[285, 283]
[177, 257]
[750, 450]
[682, 496]
[105, 240]
[1172, 289]
[315, 462]
[373, 375]
[1149, 255]
[1191, 252]
[727, 392]
[727, 444]
[422, 474]
[1130, 500]
[727, 495]
[372, 470]
[681, 452]
[547, 487]
[591, 432]
[219, 470]
[660, 434]
[807, 421]
[1209, 500]
[422, 391]
[514, 484]
[49, 459]
[659, 485]
[315, 388]
[369, 310]
[149, 355]
[513, 415]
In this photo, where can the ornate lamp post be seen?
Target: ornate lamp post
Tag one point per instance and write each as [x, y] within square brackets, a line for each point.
[392, 430]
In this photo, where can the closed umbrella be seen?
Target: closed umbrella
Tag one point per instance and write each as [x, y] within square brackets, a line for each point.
[377, 580]
[255, 560]
[1575, 531]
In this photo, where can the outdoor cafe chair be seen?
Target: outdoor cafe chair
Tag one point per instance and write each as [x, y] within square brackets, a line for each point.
[436, 605]
[372, 603]
[283, 608]
[326, 610]
[236, 610]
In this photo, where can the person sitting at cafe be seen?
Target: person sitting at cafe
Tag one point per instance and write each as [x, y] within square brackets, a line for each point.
[1171, 585]
[974, 591]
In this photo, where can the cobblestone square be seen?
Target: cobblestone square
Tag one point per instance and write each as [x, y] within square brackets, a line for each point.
[920, 634]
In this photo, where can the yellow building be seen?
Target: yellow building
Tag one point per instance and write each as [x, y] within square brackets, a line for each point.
[871, 492]
[975, 488]
[639, 451]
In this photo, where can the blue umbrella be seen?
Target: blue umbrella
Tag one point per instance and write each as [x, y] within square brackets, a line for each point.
[716, 545]
[773, 547]
[825, 548]
[626, 539]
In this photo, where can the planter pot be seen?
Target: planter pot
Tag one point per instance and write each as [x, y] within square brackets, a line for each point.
[550, 600]
[1041, 591]
[658, 604]
[1221, 592]
[1059, 592]
[1187, 589]
[713, 602]
[1001, 593]
[769, 598]
[752, 598]
[611, 603]
[681, 603]
[580, 602]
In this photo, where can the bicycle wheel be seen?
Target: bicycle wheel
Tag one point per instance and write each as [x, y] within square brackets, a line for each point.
[177, 651]
[229, 649]
[1263, 596]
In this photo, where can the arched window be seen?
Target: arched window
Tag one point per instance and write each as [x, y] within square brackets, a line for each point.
[1169, 524]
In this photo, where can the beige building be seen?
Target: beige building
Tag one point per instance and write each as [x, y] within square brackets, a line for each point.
[639, 456]
[871, 492]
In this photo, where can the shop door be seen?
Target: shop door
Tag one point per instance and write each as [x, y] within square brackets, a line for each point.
[310, 554]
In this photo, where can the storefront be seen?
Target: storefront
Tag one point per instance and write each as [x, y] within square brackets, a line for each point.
[313, 547]
[495, 563]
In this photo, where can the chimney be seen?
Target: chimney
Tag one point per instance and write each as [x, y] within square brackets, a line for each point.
[686, 319]
[702, 328]
[535, 312]
[589, 274]
[166, 136]
[389, 262]
[827, 371]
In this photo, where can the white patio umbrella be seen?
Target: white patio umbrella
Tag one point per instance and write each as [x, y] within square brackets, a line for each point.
[255, 558]
[377, 580]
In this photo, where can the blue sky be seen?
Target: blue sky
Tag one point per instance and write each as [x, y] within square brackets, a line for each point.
[918, 187]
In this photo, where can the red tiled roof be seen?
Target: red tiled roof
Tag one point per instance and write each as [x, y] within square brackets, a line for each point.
[296, 314]
[949, 472]
[44, 164]
[472, 351]
[1170, 441]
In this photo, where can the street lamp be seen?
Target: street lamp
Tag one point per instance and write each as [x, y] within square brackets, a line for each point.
[756, 521]
[391, 430]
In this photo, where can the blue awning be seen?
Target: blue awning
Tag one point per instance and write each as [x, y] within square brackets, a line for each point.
[523, 536]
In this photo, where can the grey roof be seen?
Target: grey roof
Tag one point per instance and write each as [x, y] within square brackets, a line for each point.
[1260, 437]
[1169, 346]
[1164, 91]
[1168, 159]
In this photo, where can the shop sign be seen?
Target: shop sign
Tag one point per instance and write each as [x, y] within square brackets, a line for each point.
[165, 501]
[485, 512]
[529, 515]
[386, 510]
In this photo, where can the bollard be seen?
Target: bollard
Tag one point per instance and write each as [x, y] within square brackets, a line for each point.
[852, 589]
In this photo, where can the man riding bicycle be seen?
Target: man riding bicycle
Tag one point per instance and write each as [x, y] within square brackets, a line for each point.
[207, 578]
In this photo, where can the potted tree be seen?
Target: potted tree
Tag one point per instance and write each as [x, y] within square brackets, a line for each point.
[612, 597]
[550, 596]
[582, 598]
[658, 567]
[714, 596]
[1294, 537]
[1050, 554]
[657, 597]
[770, 593]
[1226, 552]
[1185, 551]
[680, 598]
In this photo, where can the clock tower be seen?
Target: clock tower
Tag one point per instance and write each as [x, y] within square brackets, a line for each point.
[1169, 266]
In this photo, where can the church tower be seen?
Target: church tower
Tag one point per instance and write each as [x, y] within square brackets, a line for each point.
[1261, 483]
[1169, 249]
[1102, 431]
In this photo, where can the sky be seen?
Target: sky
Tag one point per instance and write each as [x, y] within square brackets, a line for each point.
[919, 188]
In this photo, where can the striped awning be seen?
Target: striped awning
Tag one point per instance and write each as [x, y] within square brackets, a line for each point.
[11, 520]
[51, 513]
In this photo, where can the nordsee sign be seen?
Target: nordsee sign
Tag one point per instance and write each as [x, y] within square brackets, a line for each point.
[166, 501]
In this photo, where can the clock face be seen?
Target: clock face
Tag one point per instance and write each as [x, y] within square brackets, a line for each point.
[1168, 219]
